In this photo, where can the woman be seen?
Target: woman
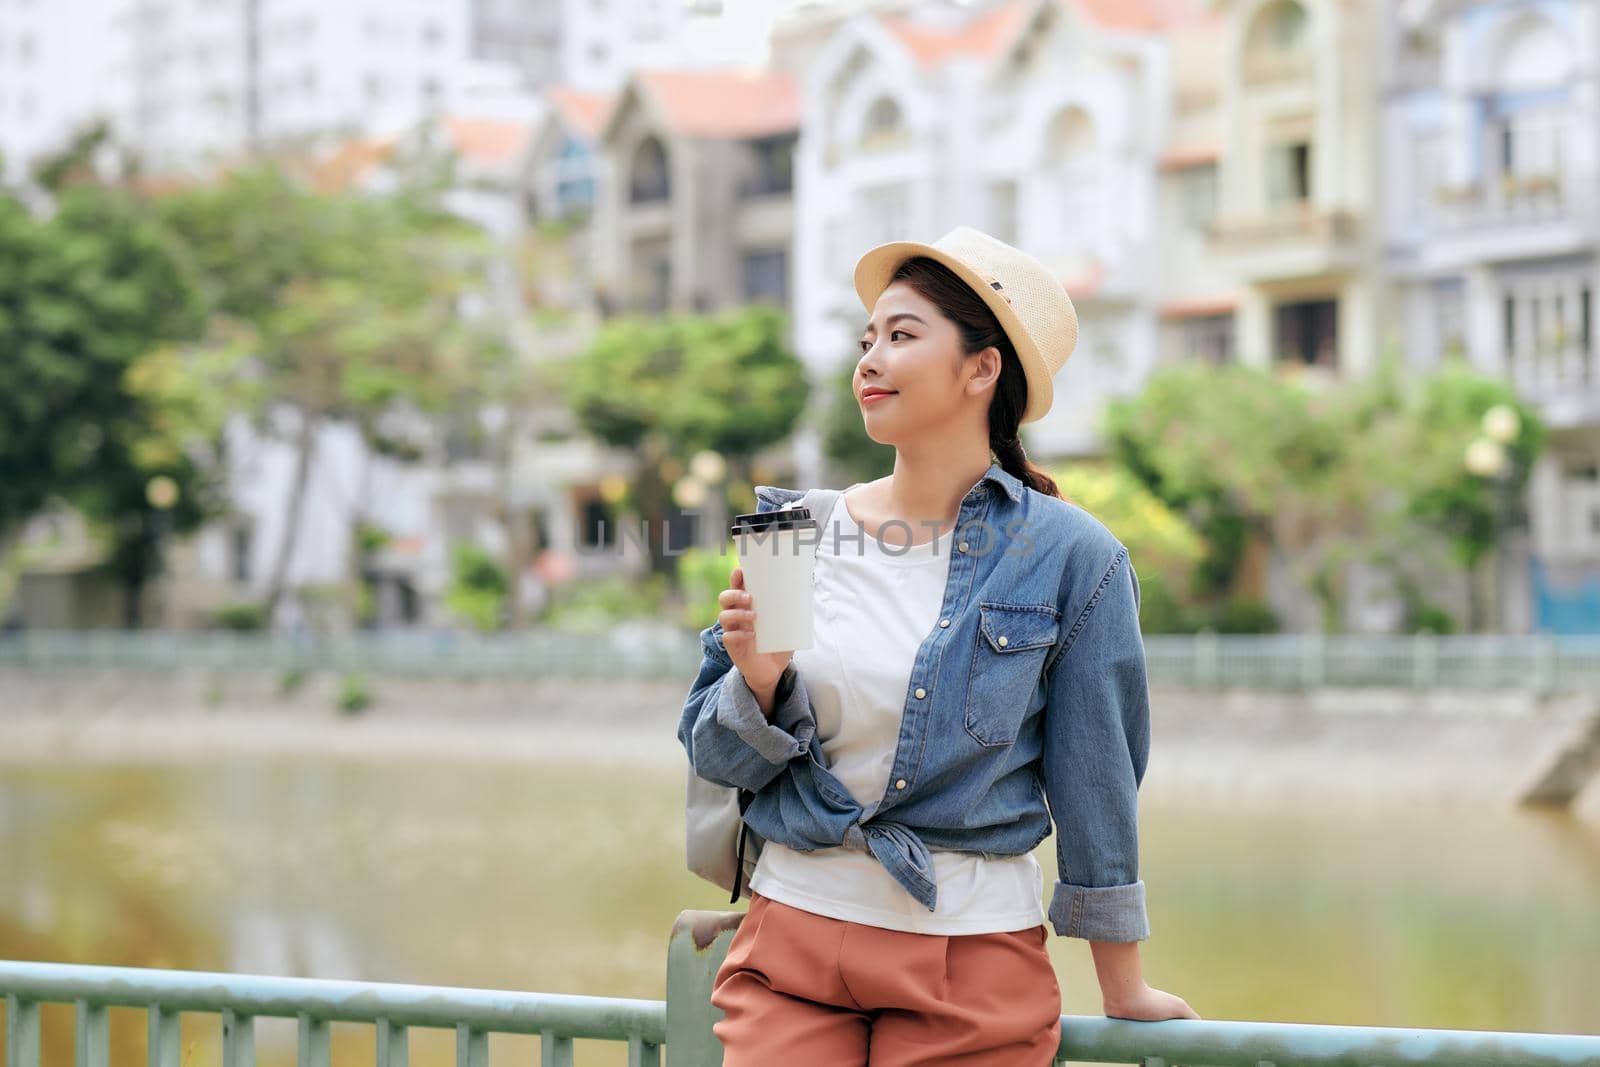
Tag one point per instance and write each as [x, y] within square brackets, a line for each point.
[956, 702]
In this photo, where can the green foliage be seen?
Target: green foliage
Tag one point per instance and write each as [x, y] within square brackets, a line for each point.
[702, 574]
[241, 617]
[87, 295]
[1442, 493]
[1242, 615]
[478, 588]
[592, 605]
[1161, 543]
[1355, 470]
[726, 382]
[355, 696]
[291, 680]
[370, 538]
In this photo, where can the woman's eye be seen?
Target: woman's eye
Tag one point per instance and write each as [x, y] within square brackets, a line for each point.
[893, 332]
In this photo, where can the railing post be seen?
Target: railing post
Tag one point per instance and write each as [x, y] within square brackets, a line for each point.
[698, 946]
[22, 1032]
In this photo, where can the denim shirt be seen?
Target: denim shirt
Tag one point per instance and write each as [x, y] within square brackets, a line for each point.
[1027, 705]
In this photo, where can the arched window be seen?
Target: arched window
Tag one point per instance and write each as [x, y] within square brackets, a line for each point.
[1074, 166]
[1531, 109]
[1276, 45]
[883, 127]
[1532, 55]
[649, 180]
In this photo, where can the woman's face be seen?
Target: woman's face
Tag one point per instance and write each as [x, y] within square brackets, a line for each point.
[912, 350]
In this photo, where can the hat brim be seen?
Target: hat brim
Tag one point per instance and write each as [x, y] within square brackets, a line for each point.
[878, 264]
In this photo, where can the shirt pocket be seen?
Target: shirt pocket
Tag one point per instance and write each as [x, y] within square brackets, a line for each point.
[1007, 663]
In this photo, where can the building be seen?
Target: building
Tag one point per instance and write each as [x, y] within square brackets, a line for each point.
[695, 208]
[1489, 151]
[920, 120]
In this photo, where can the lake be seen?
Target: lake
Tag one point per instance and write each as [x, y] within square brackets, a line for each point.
[567, 879]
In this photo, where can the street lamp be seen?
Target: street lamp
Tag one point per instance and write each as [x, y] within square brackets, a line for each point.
[161, 493]
[1489, 457]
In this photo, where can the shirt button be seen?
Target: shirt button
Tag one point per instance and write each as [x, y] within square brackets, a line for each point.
[921, 692]
[962, 546]
[901, 784]
[1002, 641]
[944, 622]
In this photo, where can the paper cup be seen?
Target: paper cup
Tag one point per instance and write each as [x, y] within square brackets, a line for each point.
[777, 551]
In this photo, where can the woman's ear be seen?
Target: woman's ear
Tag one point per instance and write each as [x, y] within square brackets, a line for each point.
[989, 364]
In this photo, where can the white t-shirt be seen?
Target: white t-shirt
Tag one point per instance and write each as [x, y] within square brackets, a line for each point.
[875, 603]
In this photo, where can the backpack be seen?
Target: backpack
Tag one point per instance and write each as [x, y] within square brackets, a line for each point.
[714, 828]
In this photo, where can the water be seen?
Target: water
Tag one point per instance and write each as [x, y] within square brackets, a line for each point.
[566, 879]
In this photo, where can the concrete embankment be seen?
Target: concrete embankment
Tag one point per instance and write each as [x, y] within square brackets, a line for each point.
[1368, 747]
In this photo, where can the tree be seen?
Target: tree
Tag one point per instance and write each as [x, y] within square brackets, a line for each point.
[670, 387]
[88, 293]
[348, 304]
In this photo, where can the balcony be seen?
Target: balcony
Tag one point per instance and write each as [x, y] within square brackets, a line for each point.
[1564, 382]
[1296, 238]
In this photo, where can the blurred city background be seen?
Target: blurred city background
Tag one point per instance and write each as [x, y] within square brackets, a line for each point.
[377, 378]
[393, 315]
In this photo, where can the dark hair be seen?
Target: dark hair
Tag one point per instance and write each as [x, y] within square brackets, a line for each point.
[979, 329]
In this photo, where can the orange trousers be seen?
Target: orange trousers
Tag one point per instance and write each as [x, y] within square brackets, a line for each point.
[813, 991]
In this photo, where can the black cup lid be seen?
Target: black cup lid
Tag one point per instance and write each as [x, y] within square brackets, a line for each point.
[770, 521]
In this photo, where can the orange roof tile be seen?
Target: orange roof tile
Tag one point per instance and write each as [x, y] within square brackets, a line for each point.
[584, 112]
[1178, 156]
[1086, 284]
[986, 35]
[725, 104]
[487, 140]
[349, 162]
[1189, 309]
[1146, 15]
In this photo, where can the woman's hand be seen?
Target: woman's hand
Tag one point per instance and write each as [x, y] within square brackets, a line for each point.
[1150, 1005]
[761, 670]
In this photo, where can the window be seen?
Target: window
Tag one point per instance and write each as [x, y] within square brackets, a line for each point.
[1275, 46]
[599, 523]
[1449, 316]
[772, 168]
[1207, 338]
[241, 541]
[1197, 196]
[1289, 172]
[1307, 332]
[649, 181]
[882, 128]
[765, 276]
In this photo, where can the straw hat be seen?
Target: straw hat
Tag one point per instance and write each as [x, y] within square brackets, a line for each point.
[1031, 303]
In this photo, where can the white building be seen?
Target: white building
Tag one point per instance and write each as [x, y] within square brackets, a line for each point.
[1491, 151]
[1040, 122]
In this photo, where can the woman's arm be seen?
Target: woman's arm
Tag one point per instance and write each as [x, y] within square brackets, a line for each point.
[1123, 992]
[1097, 743]
[737, 736]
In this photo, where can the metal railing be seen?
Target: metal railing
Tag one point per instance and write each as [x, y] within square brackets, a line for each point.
[683, 1022]
[1272, 661]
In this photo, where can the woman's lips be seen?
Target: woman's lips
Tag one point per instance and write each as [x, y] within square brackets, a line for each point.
[870, 397]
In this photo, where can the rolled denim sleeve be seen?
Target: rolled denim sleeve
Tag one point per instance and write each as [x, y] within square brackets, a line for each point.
[728, 739]
[1096, 744]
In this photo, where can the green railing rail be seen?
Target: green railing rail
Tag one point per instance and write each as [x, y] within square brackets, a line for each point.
[682, 1023]
[1541, 662]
